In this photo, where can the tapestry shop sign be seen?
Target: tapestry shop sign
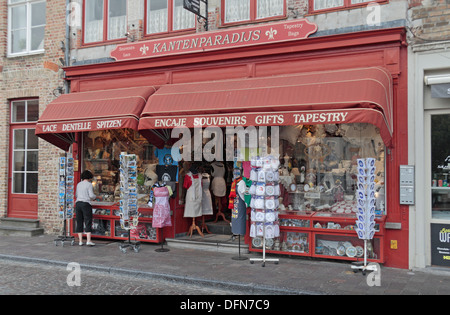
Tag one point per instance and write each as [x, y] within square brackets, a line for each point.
[209, 41]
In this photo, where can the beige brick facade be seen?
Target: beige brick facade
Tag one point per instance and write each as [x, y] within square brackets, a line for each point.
[32, 76]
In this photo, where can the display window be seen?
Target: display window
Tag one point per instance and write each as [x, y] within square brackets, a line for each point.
[101, 155]
[440, 166]
[319, 169]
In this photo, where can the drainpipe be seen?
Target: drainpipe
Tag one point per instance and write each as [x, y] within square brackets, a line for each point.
[67, 46]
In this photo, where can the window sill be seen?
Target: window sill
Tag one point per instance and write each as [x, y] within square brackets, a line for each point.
[25, 54]
[105, 43]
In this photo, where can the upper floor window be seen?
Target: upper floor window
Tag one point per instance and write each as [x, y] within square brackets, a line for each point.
[251, 10]
[24, 111]
[318, 5]
[104, 20]
[165, 16]
[26, 26]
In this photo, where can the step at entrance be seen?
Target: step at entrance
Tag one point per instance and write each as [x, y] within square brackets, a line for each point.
[20, 227]
[220, 239]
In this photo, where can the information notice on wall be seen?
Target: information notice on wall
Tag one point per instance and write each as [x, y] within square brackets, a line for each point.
[440, 244]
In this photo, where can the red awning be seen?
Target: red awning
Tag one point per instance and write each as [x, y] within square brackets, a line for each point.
[88, 111]
[337, 96]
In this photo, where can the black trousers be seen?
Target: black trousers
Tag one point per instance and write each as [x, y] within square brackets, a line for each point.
[83, 212]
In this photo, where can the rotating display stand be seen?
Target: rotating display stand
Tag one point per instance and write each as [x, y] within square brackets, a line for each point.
[128, 209]
[65, 197]
[264, 203]
[365, 196]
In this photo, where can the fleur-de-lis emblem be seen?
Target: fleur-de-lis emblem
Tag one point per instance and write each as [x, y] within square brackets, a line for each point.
[271, 33]
[144, 49]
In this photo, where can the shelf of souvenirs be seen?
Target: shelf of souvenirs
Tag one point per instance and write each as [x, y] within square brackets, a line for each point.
[110, 210]
[324, 222]
[326, 245]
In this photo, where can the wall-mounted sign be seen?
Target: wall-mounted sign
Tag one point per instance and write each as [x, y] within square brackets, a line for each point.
[217, 40]
[198, 7]
[440, 244]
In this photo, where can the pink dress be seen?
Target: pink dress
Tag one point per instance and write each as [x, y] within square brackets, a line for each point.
[161, 209]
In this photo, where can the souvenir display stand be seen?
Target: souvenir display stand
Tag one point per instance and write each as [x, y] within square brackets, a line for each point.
[365, 223]
[264, 203]
[128, 209]
[66, 196]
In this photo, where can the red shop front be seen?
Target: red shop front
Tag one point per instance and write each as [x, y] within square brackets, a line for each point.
[334, 98]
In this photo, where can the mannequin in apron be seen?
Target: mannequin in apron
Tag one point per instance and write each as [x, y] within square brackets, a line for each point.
[193, 203]
[238, 205]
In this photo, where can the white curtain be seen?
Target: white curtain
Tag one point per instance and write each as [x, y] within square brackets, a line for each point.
[325, 4]
[93, 28]
[117, 27]
[268, 8]
[93, 31]
[237, 10]
[182, 18]
[157, 21]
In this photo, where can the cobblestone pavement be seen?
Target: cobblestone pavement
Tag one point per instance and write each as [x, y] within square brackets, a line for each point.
[19, 278]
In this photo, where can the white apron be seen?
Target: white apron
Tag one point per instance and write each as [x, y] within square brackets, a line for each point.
[193, 205]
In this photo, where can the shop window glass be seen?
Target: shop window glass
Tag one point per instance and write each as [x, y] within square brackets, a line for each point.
[101, 155]
[440, 166]
[318, 166]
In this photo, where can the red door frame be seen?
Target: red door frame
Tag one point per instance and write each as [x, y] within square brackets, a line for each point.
[21, 205]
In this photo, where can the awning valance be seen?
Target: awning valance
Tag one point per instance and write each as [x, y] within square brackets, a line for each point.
[337, 96]
[88, 111]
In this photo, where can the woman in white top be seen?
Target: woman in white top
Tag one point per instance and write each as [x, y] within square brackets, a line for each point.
[83, 209]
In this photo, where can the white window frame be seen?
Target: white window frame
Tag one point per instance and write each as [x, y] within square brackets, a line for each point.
[28, 4]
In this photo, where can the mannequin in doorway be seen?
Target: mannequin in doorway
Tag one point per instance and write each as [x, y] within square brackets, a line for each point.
[219, 187]
[193, 204]
[207, 207]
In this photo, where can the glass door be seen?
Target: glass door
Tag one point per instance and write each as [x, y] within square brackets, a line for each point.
[438, 122]
[440, 166]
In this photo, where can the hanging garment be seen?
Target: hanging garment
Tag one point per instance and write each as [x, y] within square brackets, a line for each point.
[239, 211]
[161, 209]
[207, 207]
[193, 205]
[218, 185]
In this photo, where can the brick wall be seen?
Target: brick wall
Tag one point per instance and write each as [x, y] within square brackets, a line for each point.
[429, 21]
[33, 76]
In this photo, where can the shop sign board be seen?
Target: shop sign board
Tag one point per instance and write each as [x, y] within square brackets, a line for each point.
[89, 125]
[440, 244]
[250, 119]
[209, 41]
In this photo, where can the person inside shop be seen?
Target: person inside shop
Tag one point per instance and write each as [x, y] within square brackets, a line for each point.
[83, 208]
